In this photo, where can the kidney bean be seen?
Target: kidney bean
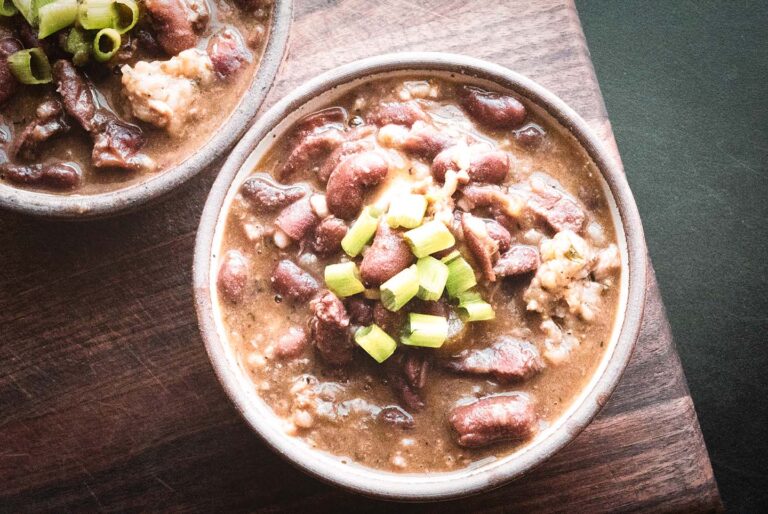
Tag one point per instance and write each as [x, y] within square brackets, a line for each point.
[425, 141]
[398, 113]
[349, 180]
[291, 344]
[298, 219]
[499, 234]
[265, 195]
[492, 109]
[233, 276]
[52, 175]
[292, 282]
[309, 152]
[360, 311]
[342, 152]
[530, 135]
[334, 116]
[387, 256]
[227, 52]
[488, 166]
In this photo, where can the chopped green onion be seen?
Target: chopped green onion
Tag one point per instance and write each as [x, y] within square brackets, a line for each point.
[126, 15]
[106, 44]
[429, 238]
[376, 342]
[450, 257]
[79, 46]
[26, 8]
[30, 66]
[7, 8]
[55, 16]
[407, 211]
[425, 330]
[433, 275]
[472, 307]
[343, 279]
[97, 14]
[460, 276]
[400, 289]
[361, 232]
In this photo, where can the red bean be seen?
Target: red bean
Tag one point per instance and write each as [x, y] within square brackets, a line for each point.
[349, 181]
[493, 109]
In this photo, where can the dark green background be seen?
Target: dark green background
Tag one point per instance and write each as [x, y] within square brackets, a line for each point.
[686, 86]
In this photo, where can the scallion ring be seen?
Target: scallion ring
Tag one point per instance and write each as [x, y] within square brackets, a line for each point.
[56, 15]
[425, 330]
[429, 238]
[30, 66]
[343, 279]
[377, 343]
[400, 289]
[26, 8]
[106, 44]
[79, 45]
[97, 14]
[361, 232]
[126, 15]
[7, 8]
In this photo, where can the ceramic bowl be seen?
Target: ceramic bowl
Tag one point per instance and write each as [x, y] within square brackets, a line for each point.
[76, 206]
[428, 486]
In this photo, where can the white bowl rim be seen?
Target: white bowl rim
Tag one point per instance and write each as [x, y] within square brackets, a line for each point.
[416, 487]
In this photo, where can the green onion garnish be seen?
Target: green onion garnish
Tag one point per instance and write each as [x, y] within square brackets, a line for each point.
[433, 275]
[55, 16]
[79, 45]
[400, 289]
[460, 276]
[472, 307]
[343, 279]
[429, 238]
[126, 15]
[97, 14]
[7, 8]
[106, 44]
[361, 232]
[425, 330]
[376, 342]
[407, 211]
[451, 256]
[30, 66]
[26, 8]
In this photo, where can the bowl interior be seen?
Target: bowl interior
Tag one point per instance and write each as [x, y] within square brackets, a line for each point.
[78, 206]
[369, 481]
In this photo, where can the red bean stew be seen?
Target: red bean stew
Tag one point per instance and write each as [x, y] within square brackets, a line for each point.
[421, 275]
[96, 95]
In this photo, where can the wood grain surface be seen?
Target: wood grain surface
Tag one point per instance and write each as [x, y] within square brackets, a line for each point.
[108, 401]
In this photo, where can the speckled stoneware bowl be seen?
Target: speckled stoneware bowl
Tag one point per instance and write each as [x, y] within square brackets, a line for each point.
[76, 206]
[428, 486]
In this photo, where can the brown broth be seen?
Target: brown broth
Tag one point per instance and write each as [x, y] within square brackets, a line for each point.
[352, 394]
[219, 100]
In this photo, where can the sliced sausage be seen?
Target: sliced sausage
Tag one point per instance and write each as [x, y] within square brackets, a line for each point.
[509, 417]
[560, 211]
[398, 113]
[298, 219]
[292, 282]
[492, 109]
[330, 329]
[484, 248]
[507, 360]
[387, 256]
[265, 195]
[518, 260]
[233, 276]
[328, 235]
[349, 181]
[498, 233]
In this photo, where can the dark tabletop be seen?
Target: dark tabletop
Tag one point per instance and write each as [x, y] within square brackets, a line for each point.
[685, 84]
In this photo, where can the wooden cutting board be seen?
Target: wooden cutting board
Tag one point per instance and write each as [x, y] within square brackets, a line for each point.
[107, 398]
